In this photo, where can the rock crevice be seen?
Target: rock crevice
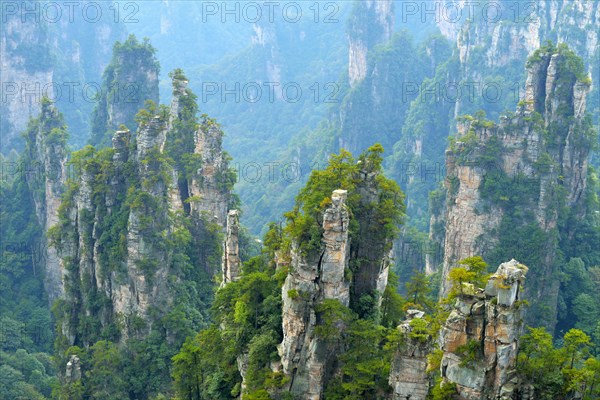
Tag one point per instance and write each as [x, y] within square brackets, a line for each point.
[480, 338]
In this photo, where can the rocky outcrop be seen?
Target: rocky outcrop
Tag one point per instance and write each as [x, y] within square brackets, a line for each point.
[231, 252]
[46, 173]
[480, 338]
[372, 277]
[209, 188]
[129, 81]
[540, 151]
[372, 22]
[408, 372]
[506, 37]
[122, 228]
[73, 370]
[312, 279]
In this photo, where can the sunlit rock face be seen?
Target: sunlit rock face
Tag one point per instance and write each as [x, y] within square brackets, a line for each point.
[46, 175]
[408, 372]
[377, 27]
[313, 278]
[480, 338]
[231, 252]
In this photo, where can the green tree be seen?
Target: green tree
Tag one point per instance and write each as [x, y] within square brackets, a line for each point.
[471, 270]
[418, 291]
[104, 380]
[391, 303]
[576, 346]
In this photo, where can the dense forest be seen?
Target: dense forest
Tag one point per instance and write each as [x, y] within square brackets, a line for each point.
[348, 200]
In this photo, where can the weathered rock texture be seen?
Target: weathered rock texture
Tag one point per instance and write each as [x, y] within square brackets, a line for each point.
[480, 338]
[372, 276]
[349, 271]
[312, 279]
[533, 163]
[372, 22]
[211, 180]
[120, 225]
[46, 173]
[493, 45]
[408, 372]
[231, 252]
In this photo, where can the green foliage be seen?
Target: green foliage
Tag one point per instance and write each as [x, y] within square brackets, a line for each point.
[129, 80]
[248, 312]
[418, 293]
[434, 360]
[366, 364]
[26, 325]
[303, 223]
[180, 144]
[204, 368]
[26, 375]
[262, 349]
[391, 303]
[342, 172]
[186, 247]
[332, 318]
[106, 358]
[558, 372]
[470, 353]
[472, 270]
[419, 330]
[443, 390]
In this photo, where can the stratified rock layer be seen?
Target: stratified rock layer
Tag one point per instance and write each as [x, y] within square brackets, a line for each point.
[480, 338]
[408, 372]
[314, 278]
[231, 252]
[540, 147]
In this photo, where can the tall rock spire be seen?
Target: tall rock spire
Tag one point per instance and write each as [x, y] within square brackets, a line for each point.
[312, 279]
[46, 163]
[508, 184]
[480, 338]
[371, 23]
[231, 251]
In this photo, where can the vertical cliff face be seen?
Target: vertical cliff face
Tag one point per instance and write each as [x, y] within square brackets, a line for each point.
[49, 51]
[377, 104]
[408, 372]
[124, 234]
[313, 278]
[209, 186]
[27, 66]
[492, 43]
[128, 81]
[338, 277]
[372, 276]
[371, 22]
[503, 39]
[231, 252]
[480, 338]
[46, 174]
[509, 185]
